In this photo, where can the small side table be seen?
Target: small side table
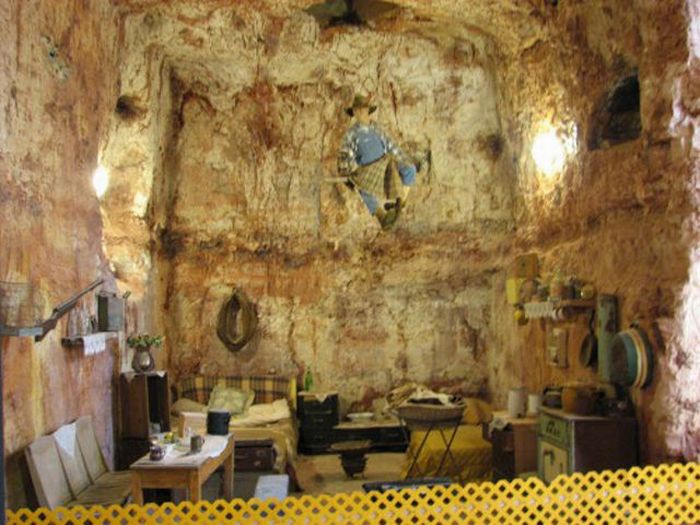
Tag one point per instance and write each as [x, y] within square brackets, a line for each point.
[183, 472]
[386, 435]
[352, 455]
[514, 447]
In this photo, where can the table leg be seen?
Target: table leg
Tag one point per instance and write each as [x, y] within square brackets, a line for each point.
[228, 477]
[136, 489]
[194, 487]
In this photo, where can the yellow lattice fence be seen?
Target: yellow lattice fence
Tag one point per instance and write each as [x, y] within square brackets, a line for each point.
[667, 494]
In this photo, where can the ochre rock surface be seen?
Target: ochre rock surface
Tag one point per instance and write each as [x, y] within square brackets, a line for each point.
[617, 216]
[220, 180]
[243, 195]
[58, 76]
[221, 156]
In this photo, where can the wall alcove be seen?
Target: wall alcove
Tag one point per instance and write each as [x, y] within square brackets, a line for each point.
[618, 117]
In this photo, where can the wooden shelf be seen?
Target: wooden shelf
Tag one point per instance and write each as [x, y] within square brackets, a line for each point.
[588, 304]
[548, 309]
[17, 331]
[77, 341]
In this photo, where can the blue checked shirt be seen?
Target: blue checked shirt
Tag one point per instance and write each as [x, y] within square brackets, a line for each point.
[365, 144]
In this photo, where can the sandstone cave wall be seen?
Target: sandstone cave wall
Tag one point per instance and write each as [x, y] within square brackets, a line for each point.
[618, 215]
[252, 206]
[626, 205]
[58, 75]
[681, 361]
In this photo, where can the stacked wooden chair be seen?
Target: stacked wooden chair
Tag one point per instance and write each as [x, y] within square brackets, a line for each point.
[68, 469]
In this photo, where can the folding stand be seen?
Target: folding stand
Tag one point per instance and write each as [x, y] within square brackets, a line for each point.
[443, 427]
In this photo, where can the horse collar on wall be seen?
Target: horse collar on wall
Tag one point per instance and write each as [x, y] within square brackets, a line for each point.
[237, 321]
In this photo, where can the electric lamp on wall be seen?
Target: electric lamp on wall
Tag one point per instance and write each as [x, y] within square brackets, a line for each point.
[550, 149]
[100, 181]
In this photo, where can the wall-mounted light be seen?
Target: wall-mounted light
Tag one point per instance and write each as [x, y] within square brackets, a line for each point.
[549, 152]
[140, 204]
[100, 181]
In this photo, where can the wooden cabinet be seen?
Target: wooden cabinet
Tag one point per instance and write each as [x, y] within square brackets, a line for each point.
[555, 461]
[144, 408]
[319, 427]
[514, 448]
[318, 414]
[568, 443]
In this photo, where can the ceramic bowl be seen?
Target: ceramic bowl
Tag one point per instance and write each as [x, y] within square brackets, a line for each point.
[361, 416]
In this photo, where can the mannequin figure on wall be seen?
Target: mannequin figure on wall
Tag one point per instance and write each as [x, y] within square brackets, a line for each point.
[374, 165]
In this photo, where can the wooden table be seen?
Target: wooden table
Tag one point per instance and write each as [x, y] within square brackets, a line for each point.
[184, 472]
[386, 434]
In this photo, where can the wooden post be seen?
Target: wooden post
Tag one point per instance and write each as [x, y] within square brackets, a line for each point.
[3, 503]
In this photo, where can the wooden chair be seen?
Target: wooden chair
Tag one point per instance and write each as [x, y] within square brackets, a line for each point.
[47, 474]
[60, 476]
[94, 460]
[82, 487]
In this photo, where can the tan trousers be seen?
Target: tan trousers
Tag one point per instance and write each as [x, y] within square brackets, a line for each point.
[381, 179]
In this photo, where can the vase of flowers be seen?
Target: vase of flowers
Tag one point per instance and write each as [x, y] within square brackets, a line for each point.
[143, 360]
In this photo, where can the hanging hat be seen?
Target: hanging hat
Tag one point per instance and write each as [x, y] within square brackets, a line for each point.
[360, 102]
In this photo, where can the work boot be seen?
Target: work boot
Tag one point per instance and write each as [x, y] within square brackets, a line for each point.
[388, 219]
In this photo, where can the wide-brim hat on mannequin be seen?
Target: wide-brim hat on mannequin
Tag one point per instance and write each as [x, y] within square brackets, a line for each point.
[360, 101]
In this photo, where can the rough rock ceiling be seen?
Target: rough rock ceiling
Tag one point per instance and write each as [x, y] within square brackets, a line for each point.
[513, 24]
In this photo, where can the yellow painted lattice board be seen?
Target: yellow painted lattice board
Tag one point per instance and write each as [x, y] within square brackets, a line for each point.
[666, 494]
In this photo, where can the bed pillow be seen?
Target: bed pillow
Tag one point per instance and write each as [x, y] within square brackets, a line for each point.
[186, 405]
[476, 412]
[263, 414]
[232, 399]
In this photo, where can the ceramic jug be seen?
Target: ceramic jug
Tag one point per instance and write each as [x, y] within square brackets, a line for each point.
[517, 399]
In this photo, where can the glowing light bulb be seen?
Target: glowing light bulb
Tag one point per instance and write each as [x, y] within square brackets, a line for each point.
[140, 204]
[549, 152]
[100, 181]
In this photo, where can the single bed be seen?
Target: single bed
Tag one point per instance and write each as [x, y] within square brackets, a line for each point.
[271, 416]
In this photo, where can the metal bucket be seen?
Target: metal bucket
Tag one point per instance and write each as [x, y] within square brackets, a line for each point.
[217, 422]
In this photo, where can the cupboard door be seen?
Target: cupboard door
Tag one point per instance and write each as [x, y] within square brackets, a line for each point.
[554, 429]
[159, 401]
[134, 407]
[553, 461]
[144, 399]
